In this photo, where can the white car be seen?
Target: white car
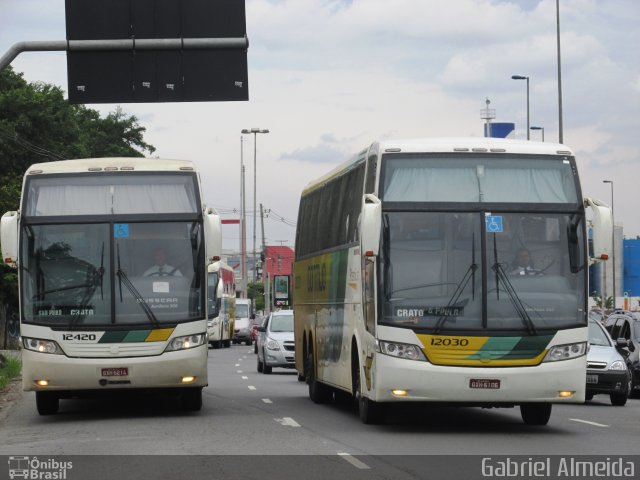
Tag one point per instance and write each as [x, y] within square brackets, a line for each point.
[276, 342]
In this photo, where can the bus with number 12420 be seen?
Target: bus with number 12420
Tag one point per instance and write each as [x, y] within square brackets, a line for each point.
[112, 258]
[408, 283]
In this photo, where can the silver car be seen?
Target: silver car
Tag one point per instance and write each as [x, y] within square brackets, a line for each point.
[276, 342]
[607, 370]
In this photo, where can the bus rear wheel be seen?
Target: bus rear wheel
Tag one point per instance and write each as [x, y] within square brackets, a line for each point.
[47, 403]
[318, 392]
[535, 413]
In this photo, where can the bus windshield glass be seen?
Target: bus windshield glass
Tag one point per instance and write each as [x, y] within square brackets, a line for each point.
[110, 194]
[110, 274]
[483, 178]
[433, 264]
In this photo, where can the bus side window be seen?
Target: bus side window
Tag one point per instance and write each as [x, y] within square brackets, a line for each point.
[370, 182]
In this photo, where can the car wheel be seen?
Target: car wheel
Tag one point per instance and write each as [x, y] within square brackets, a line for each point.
[618, 399]
[255, 347]
[535, 413]
[260, 365]
[266, 369]
[588, 396]
[47, 403]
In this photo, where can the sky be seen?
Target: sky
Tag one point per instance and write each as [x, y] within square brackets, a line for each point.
[329, 77]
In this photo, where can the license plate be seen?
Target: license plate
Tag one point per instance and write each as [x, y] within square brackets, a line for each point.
[592, 378]
[115, 372]
[487, 383]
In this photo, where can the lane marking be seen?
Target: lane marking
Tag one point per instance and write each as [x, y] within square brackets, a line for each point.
[589, 423]
[251, 387]
[354, 461]
[287, 422]
[244, 377]
[237, 365]
[266, 400]
[239, 371]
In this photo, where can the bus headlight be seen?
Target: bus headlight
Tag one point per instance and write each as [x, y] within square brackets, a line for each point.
[185, 342]
[566, 352]
[401, 350]
[41, 346]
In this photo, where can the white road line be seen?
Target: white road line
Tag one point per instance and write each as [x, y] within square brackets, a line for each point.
[239, 371]
[354, 461]
[266, 400]
[244, 377]
[287, 422]
[251, 387]
[237, 365]
[589, 423]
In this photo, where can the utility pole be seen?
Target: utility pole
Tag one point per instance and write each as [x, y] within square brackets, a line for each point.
[265, 276]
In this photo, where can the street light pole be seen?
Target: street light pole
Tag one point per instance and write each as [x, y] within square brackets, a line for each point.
[255, 132]
[613, 243]
[243, 223]
[522, 77]
[560, 135]
[538, 128]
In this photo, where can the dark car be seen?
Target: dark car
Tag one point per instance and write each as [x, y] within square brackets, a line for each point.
[626, 325]
[607, 370]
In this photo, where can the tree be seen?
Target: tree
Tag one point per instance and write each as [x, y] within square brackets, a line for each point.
[258, 295]
[38, 125]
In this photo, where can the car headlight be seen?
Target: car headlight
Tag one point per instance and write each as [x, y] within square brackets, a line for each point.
[272, 344]
[185, 342]
[566, 352]
[41, 346]
[618, 365]
[400, 350]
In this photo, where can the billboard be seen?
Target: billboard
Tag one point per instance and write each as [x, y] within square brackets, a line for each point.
[281, 291]
[179, 74]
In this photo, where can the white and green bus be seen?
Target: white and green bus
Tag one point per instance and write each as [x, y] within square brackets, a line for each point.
[112, 258]
[406, 285]
[222, 304]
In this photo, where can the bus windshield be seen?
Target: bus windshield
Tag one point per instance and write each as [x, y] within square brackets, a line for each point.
[478, 179]
[436, 275]
[110, 274]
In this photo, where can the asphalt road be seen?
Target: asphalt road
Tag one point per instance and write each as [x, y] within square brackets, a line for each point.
[252, 416]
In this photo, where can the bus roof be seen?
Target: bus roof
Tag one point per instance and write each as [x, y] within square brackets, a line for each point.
[111, 164]
[446, 145]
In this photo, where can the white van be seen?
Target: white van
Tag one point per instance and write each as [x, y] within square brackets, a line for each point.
[242, 330]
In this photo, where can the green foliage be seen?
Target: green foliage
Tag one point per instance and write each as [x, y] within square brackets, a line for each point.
[607, 304]
[259, 292]
[9, 368]
[38, 125]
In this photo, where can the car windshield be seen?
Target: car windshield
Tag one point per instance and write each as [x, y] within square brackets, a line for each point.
[597, 335]
[242, 310]
[281, 323]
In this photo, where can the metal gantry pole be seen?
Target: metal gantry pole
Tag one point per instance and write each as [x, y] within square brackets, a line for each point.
[560, 134]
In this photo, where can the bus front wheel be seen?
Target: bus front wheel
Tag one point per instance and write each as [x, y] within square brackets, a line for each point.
[535, 413]
[191, 399]
[47, 403]
[370, 412]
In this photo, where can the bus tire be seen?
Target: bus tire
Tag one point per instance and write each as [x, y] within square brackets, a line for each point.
[47, 403]
[227, 343]
[535, 413]
[370, 412]
[191, 399]
[318, 392]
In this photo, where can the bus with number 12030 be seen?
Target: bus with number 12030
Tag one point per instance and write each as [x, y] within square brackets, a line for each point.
[411, 283]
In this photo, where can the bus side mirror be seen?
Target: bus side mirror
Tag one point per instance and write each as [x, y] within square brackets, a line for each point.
[212, 235]
[370, 224]
[9, 238]
[602, 228]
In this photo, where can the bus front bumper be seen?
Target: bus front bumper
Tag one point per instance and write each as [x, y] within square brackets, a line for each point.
[408, 380]
[169, 370]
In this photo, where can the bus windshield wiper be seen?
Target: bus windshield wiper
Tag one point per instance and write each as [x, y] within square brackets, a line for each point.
[95, 277]
[501, 278]
[123, 279]
[470, 274]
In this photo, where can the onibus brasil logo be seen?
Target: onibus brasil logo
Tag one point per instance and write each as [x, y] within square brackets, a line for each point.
[36, 469]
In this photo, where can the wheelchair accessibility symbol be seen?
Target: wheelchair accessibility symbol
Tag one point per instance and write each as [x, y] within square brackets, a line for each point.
[493, 223]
